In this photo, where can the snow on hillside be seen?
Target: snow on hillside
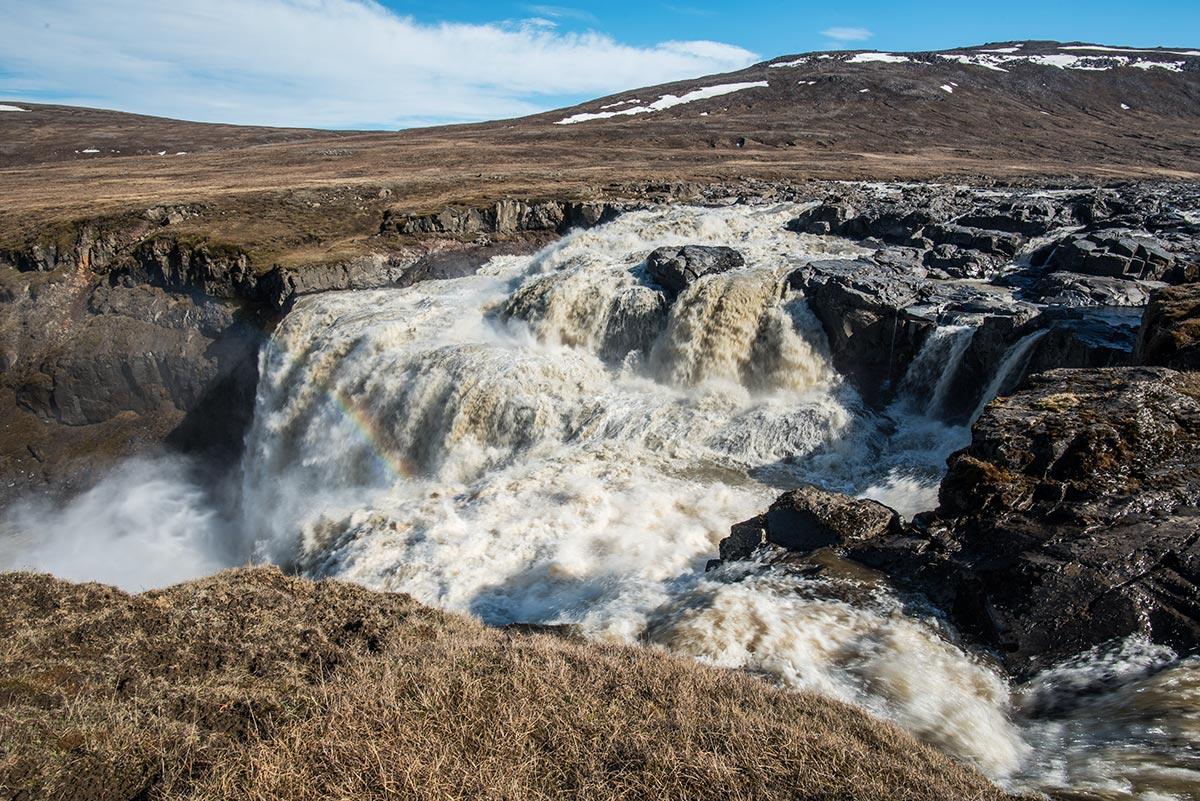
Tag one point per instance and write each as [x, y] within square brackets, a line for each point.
[1093, 58]
[664, 102]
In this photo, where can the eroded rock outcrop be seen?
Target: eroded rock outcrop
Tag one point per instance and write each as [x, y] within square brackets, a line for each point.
[101, 371]
[1170, 332]
[1072, 520]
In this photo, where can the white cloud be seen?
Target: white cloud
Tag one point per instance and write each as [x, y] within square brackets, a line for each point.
[329, 63]
[847, 34]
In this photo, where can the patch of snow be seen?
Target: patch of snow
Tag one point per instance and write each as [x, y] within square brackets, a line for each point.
[1065, 61]
[88, 150]
[182, 153]
[886, 58]
[1146, 50]
[1016, 49]
[4, 107]
[1125, 106]
[947, 88]
[665, 102]
[798, 62]
[703, 113]
[162, 152]
[807, 83]
[989, 62]
[824, 55]
[863, 91]
[1170, 66]
[621, 103]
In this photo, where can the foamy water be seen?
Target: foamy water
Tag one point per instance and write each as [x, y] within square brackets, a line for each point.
[552, 441]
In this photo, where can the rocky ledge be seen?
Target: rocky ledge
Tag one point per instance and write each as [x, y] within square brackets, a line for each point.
[1072, 520]
[1058, 264]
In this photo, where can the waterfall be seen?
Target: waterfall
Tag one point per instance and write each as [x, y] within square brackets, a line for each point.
[932, 372]
[1011, 368]
[552, 441]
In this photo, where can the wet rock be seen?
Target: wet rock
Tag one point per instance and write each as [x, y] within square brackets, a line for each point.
[953, 261]
[95, 370]
[807, 519]
[1071, 520]
[877, 316]
[1050, 338]
[1170, 332]
[991, 242]
[1114, 253]
[674, 268]
[1074, 289]
[1080, 337]
[864, 308]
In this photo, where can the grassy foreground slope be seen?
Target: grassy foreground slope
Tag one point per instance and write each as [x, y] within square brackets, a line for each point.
[250, 684]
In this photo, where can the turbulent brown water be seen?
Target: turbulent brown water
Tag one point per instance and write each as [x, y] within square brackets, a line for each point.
[550, 441]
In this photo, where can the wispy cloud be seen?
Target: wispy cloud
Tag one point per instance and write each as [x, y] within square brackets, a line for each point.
[842, 35]
[690, 11]
[562, 12]
[330, 63]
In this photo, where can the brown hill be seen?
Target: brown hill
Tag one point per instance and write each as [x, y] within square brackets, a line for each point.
[1008, 111]
[250, 684]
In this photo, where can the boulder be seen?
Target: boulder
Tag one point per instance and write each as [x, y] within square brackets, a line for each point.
[807, 519]
[673, 268]
[1031, 216]
[992, 242]
[865, 309]
[877, 317]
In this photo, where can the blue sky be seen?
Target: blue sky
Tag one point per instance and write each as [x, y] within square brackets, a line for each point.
[399, 63]
[771, 28]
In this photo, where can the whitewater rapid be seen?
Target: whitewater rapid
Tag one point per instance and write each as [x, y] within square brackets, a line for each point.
[553, 440]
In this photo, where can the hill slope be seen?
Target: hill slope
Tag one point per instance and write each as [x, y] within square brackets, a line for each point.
[254, 685]
[1006, 111]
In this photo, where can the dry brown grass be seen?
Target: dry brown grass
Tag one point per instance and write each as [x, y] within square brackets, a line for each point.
[258, 686]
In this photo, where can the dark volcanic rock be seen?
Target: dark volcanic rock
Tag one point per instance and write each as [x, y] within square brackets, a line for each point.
[992, 242]
[958, 262]
[809, 518]
[1073, 289]
[1034, 216]
[1170, 332]
[99, 371]
[1071, 520]
[877, 317]
[674, 268]
[1115, 253]
[897, 220]
[864, 309]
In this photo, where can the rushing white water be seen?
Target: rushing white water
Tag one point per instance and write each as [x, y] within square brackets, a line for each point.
[146, 524]
[553, 441]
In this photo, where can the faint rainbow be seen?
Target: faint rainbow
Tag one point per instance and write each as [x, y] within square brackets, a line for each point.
[358, 416]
